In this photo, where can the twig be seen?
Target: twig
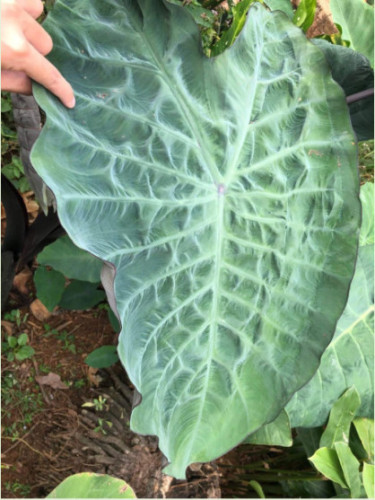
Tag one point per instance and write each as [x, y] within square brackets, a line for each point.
[359, 95]
[17, 443]
[44, 455]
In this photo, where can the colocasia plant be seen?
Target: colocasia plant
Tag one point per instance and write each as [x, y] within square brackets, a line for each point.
[222, 193]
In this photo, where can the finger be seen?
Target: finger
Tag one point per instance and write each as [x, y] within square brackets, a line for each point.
[42, 71]
[36, 35]
[32, 7]
[15, 81]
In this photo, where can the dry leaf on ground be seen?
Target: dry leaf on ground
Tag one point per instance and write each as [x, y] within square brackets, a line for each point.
[21, 279]
[52, 380]
[39, 310]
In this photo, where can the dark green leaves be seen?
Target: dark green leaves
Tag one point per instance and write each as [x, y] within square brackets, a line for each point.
[49, 285]
[81, 295]
[71, 261]
[352, 71]
[103, 357]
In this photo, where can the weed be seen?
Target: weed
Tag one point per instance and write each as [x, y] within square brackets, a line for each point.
[14, 316]
[17, 488]
[79, 383]
[44, 368]
[18, 405]
[99, 404]
[100, 426]
[64, 337]
[16, 348]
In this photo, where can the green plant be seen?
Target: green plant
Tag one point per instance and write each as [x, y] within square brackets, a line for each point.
[89, 485]
[17, 488]
[11, 165]
[225, 198]
[305, 13]
[78, 384]
[336, 458]
[102, 357]
[15, 317]
[98, 403]
[357, 21]
[66, 338]
[18, 405]
[68, 261]
[101, 426]
[349, 358]
[17, 348]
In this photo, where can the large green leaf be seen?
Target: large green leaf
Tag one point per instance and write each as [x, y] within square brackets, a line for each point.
[90, 485]
[81, 295]
[368, 480]
[50, 285]
[350, 468]
[366, 236]
[365, 430]
[340, 418]
[276, 433]
[349, 359]
[327, 462]
[223, 191]
[353, 72]
[356, 18]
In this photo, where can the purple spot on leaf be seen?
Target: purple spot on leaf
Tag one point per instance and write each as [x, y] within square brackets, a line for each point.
[220, 189]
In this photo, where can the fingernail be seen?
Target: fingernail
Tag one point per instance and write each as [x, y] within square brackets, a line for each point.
[72, 103]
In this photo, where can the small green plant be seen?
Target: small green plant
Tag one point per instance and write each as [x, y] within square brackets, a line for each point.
[20, 489]
[15, 316]
[44, 368]
[78, 384]
[66, 338]
[100, 427]
[98, 404]
[16, 348]
[19, 406]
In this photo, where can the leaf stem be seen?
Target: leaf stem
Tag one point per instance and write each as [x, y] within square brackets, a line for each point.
[359, 95]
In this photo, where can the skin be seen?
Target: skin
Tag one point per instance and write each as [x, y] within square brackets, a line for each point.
[24, 45]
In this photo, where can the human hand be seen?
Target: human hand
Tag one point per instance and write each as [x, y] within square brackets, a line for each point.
[24, 43]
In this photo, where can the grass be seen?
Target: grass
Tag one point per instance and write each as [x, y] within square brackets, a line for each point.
[18, 405]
